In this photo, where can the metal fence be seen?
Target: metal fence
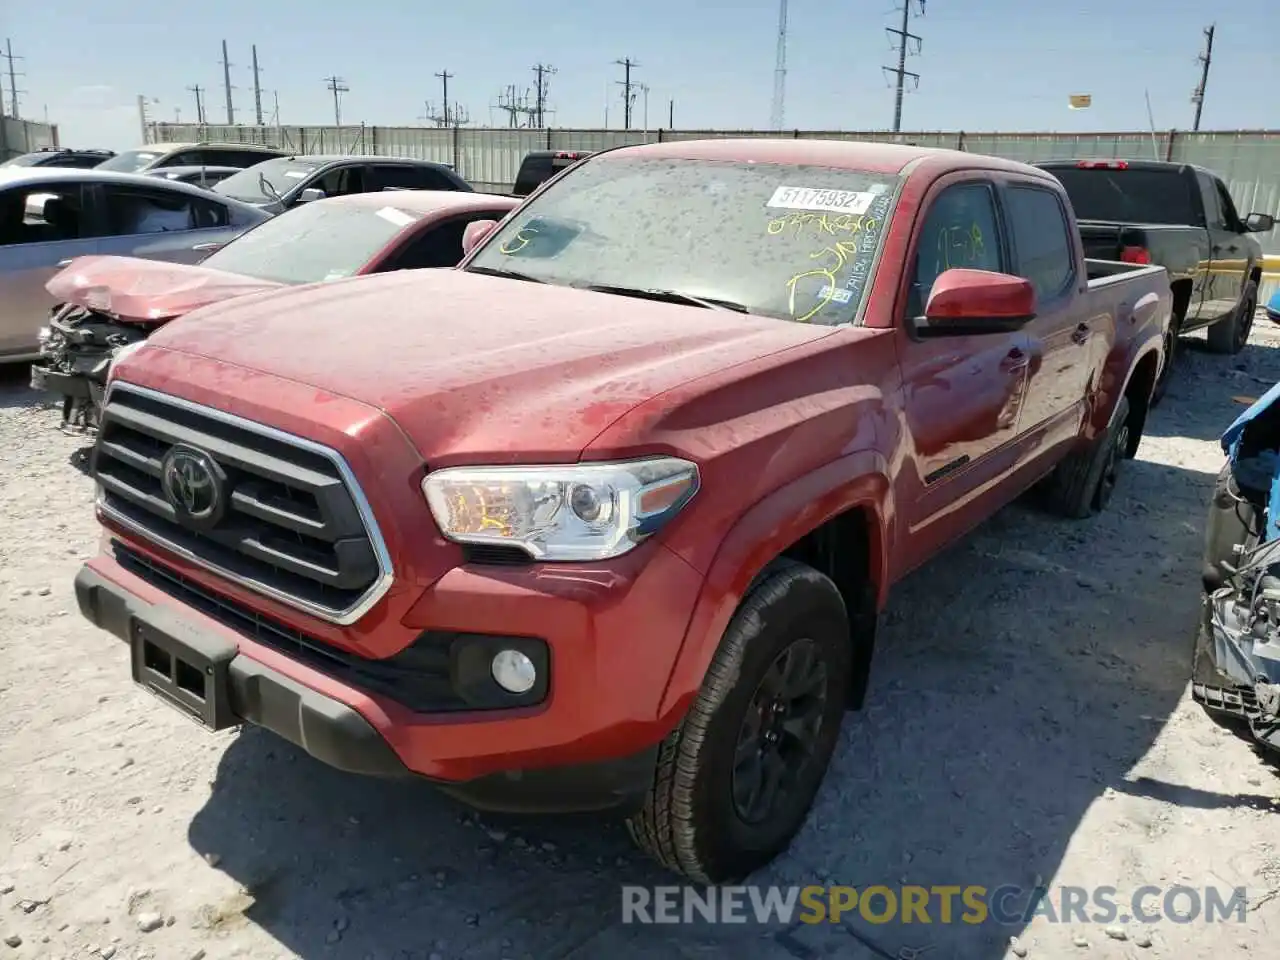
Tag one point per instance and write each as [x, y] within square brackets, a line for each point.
[22, 136]
[1248, 160]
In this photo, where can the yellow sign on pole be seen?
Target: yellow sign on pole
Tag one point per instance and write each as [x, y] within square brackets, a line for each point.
[1079, 101]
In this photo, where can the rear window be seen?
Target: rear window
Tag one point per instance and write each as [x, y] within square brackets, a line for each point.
[1128, 196]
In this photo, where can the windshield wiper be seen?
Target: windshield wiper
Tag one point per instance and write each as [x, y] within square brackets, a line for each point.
[668, 296]
[509, 274]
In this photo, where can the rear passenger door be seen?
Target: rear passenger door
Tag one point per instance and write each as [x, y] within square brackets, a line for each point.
[160, 224]
[1044, 253]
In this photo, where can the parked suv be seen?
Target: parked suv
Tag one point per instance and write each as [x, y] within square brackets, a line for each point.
[59, 157]
[145, 159]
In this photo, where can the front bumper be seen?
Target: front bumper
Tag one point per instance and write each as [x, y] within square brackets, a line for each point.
[556, 757]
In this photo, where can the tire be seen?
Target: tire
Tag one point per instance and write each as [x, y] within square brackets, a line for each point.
[1171, 341]
[697, 818]
[1230, 336]
[1082, 484]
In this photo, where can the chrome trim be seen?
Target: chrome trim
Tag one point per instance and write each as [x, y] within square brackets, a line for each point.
[343, 617]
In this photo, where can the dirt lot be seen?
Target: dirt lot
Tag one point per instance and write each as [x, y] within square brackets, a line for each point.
[1028, 720]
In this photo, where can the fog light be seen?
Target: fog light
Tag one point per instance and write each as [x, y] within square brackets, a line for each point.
[513, 671]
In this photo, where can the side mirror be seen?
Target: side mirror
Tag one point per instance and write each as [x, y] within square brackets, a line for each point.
[1259, 223]
[476, 231]
[968, 302]
[309, 194]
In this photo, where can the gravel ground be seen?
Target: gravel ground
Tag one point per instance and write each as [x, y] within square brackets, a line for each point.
[1029, 719]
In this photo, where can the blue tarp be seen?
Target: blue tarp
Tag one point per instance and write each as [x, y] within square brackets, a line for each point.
[1263, 470]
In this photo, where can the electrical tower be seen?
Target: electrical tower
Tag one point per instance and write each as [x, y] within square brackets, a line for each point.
[226, 82]
[445, 76]
[455, 115]
[516, 106]
[14, 92]
[337, 86]
[541, 71]
[777, 114]
[628, 93]
[199, 92]
[908, 44]
[257, 87]
[1197, 95]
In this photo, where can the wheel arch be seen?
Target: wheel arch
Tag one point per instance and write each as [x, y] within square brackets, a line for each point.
[838, 519]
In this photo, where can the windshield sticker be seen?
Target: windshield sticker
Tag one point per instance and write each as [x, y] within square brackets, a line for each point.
[295, 174]
[809, 198]
[398, 217]
[336, 275]
[836, 294]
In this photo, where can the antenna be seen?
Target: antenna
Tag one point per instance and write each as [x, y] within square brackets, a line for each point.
[337, 86]
[777, 115]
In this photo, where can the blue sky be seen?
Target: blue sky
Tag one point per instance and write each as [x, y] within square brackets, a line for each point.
[985, 64]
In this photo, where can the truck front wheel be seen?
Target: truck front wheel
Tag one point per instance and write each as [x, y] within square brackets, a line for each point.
[735, 780]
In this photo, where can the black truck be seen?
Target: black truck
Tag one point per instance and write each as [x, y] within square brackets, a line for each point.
[1180, 217]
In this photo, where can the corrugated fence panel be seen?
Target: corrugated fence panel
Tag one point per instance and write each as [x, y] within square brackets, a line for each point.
[23, 136]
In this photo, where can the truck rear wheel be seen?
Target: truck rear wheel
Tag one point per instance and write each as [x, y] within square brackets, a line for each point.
[1083, 483]
[1231, 335]
[736, 779]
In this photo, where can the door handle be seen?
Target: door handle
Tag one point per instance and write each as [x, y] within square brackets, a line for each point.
[1080, 334]
[65, 263]
[207, 246]
[1014, 361]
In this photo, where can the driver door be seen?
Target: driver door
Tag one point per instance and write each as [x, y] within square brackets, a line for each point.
[962, 396]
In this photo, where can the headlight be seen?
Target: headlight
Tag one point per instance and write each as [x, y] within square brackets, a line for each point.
[585, 511]
[43, 336]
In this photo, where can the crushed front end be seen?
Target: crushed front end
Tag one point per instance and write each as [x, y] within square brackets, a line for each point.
[1236, 659]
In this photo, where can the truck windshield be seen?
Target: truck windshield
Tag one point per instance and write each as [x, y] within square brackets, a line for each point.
[326, 240]
[1127, 196]
[255, 184]
[795, 242]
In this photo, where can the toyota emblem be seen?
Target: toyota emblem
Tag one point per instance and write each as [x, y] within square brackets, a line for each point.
[193, 484]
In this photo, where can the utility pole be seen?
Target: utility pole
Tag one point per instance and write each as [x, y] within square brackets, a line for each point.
[628, 98]
[1197, 96]
[644, 89]
[337, 86]
[905, 42]
[199, 92]
[542, 72]
[13, 80]
[257, 87]
[777, 113]
[445, 76]
[671, 114]
[226, 82]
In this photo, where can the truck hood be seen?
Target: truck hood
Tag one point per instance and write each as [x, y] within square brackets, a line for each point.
[132, 288]
[477, 368]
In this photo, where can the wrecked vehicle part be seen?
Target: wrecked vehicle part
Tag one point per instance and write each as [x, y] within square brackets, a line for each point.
[1236, 658]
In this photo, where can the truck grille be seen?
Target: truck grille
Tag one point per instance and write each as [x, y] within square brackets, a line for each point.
[285, 516]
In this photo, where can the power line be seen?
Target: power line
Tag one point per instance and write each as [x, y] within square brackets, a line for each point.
[337, 86]
[10, 56]
[445, 76]
[542, 72]
[905, 38]
[777, 114]
[226, 82]
[257, 87]
[1197, 95]
[628, 98]
[199, 92]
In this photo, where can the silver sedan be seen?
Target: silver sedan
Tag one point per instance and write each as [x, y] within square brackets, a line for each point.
[49, 216]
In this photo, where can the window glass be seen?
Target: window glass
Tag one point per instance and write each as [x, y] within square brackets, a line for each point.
[41, 214]
[960, 230]
[1041, 239]
[438, 247]
[131, 211]
[1133, 195]
[1212, 203]
[1229, 216]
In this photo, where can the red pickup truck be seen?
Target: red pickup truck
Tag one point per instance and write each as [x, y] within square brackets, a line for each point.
[603, 517]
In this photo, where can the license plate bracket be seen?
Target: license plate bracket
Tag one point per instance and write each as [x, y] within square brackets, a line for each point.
[185, 667]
